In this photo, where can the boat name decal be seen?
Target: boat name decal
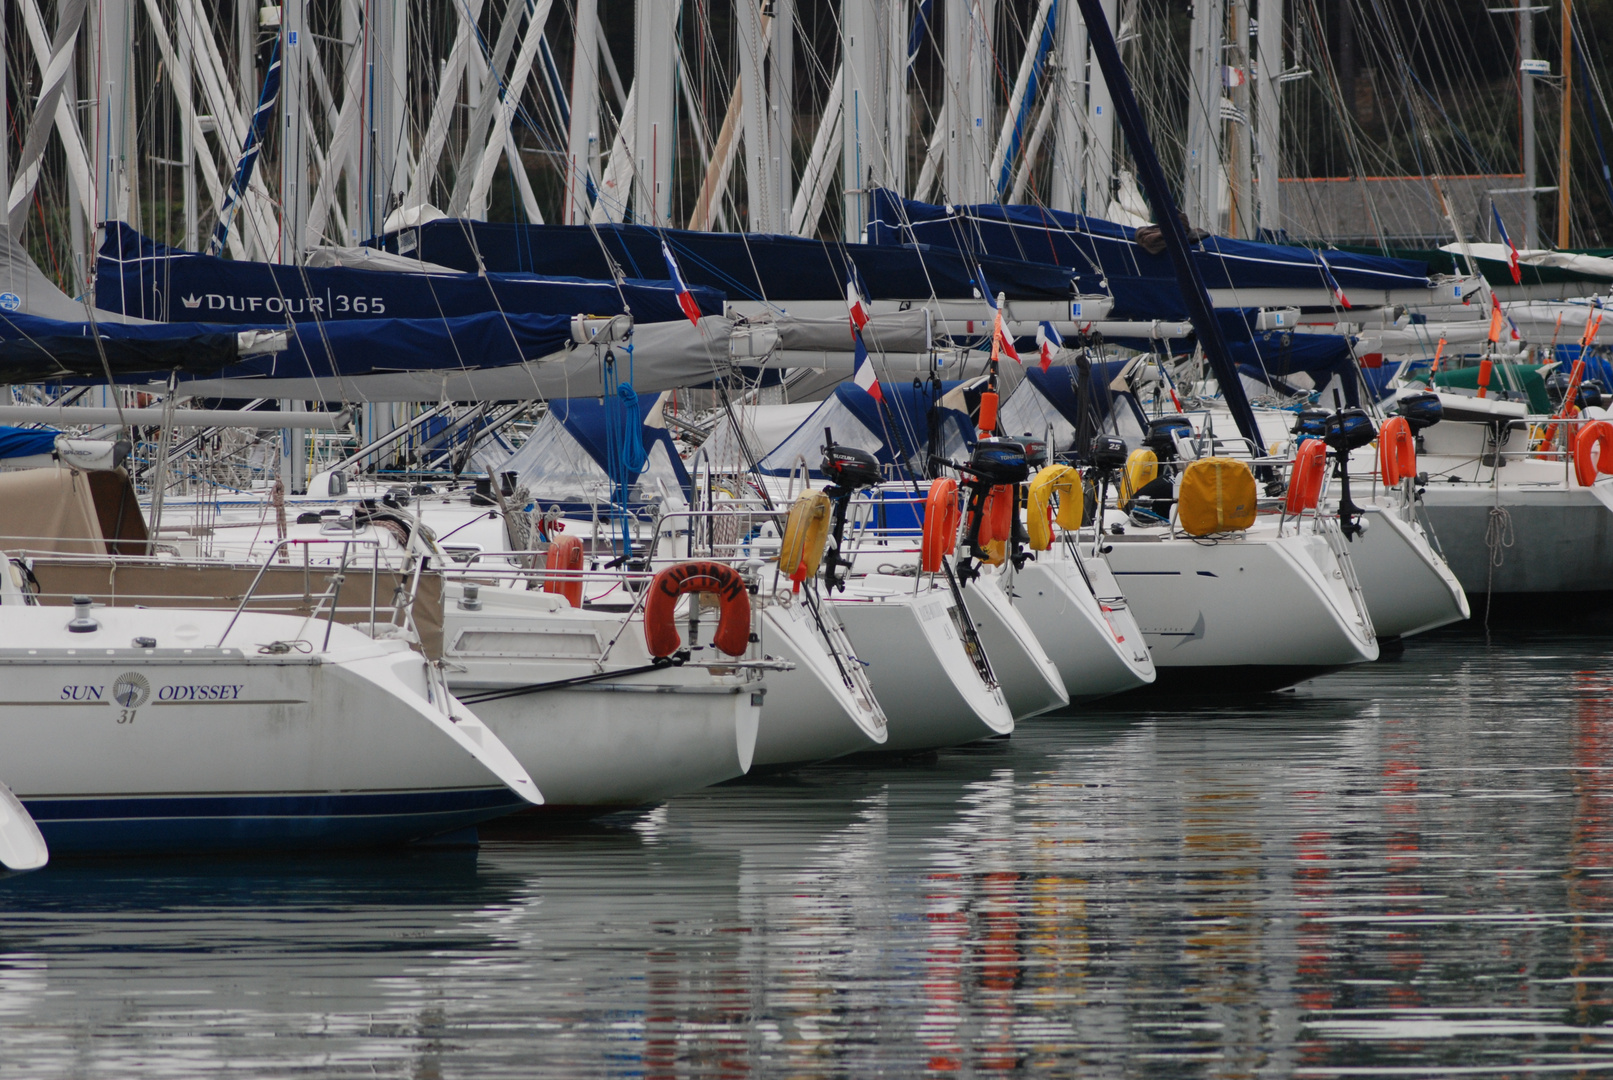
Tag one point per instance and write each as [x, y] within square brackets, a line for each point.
[340, 304]
[227, 692]
[131, 691]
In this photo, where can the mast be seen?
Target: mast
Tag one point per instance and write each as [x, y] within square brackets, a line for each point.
[862, 144]
[1200, 310]
[1239, 147]
[1069, 100]
[761, 181]
[1201, 180]
[1565, 138]
[582, 145]
[1526, 53]
[294, 46]
[1268, 113]
[1100, 116]
[783, 107]
[655, 45]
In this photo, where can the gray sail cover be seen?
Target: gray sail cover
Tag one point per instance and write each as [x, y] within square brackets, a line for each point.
[25, 290]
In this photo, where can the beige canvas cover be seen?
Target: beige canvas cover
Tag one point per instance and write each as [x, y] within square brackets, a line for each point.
[50, 509]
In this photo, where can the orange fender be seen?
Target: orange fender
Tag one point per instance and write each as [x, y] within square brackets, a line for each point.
[565, 553]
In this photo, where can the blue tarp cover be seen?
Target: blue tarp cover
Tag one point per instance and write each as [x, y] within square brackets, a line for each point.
[26, 442]
[138, 276]
[329, 350]
[1093, 245]
[585, 419]
[746, 266]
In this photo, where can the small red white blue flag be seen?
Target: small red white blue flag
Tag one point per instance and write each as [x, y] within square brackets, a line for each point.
[1512, 249]
[855, 307]
[1048, 342]
[863, 375]
[1333, 282]
[686, 299]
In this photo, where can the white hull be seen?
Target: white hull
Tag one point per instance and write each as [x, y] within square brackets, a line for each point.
[1407, 586]
[186, 747]
[1096, 644]
[1258, 611]
[928, 685]
[622, 741]
[1030, 680]
[821, 709]
[1561, 537]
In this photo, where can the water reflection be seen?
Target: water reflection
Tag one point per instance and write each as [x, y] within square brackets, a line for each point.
[1401, 870]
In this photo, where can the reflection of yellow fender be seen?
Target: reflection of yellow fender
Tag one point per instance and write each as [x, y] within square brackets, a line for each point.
[806, 534]
[1060, 480]
[1142, 466]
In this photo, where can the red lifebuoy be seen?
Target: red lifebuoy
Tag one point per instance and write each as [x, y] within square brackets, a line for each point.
[1596, 435]
[733, 619]
[1397, 450]
[565, 554]
[1305, 482]
[940, 523]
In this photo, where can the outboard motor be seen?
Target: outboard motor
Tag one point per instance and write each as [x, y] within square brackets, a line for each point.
[1590, 393]
[847, 469]
[1310, 424]
[995, 463]
[1162, 434]
[1108, 457]
[1420, 410]
[1346, 430]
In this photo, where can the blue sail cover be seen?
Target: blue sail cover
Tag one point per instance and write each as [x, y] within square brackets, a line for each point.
[745, 266]
[18, 442]
[329, 350]
[138, 276]
[1092, 245]
[566, 460]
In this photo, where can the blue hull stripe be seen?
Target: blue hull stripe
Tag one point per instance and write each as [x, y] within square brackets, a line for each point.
[261, 822]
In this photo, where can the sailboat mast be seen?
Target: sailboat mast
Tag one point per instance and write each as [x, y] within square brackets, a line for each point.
[1526, 53]
[1268, 114]
[1565, 143]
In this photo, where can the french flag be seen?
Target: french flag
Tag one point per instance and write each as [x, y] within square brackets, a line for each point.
[855, 306]
[1333, 282]
[864, 374]
[1512, 249]
[1048, 342]
[686, 299]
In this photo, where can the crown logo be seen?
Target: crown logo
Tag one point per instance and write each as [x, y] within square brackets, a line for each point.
[191, 301]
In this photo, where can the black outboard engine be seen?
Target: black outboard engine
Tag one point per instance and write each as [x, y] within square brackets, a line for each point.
[1557, 387]
[1420, 410]
[1162, 432]
[1310, 424]
[1348, 429]
[995, 463]
[1590, 393]
[1343, 431]
[847, 469]
[1108, 457]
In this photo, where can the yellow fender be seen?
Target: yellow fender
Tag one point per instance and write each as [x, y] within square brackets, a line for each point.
[1060, 480]
[806, 536]
[1142, 466]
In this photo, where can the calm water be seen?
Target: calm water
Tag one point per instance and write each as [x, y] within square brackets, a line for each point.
[1402, 870]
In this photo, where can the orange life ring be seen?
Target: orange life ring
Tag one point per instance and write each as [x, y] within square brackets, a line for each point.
[940, 523]
[1305, 482]
[1596, 435]
[733, 619]
[565, 553]
[1397, 450]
